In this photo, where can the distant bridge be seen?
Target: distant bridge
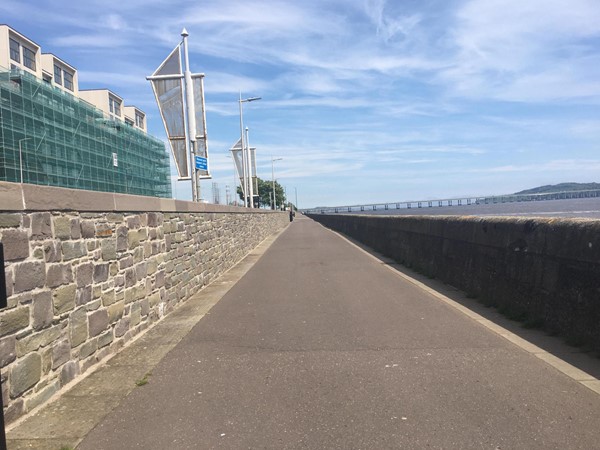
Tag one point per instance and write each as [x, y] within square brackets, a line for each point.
[458, 201]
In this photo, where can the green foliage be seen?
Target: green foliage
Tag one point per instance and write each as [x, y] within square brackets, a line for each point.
[265, 190]
[143, 381]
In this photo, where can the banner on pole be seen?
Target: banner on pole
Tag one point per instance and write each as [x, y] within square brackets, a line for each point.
[168, 90]
[200, 132]
[236, 152]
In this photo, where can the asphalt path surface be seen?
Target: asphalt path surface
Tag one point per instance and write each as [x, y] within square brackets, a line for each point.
[321, 346]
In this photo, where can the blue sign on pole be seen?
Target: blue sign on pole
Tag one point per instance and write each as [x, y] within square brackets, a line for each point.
[201, 163]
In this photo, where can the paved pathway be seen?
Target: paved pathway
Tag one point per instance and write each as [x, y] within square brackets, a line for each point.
[321, 346]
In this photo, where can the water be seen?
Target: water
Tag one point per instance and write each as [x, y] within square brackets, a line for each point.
[571, 208]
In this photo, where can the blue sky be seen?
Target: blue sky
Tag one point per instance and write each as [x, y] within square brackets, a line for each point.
[365, 100]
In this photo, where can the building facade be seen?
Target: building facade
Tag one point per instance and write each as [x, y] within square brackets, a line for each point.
[55, 134]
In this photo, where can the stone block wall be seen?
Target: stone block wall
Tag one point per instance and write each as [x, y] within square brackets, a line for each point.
[545, 272]
[82, 283]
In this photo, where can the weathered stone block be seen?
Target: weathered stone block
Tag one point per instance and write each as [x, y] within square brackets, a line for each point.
[58, 274]
[62, 228]
[135, 316]
[115, 312]
[122, 327]
[114, 217]
[144, 307]
[101, 272]
[43, 396]
[104, 230]
[159, 280]
[16, 244]
[108, 297]
[29, 275]
[122, 239]
[9, 280]
[133, 222]
[10, 220]
[88, 349]
[155, 219]
[98, 322]
[78, 327]
[15, 410]
[151, 266]
[130, 278]
[109, 249]
[84, 274]
[133, 239]
[25, 374]
[138, 255]
[69, 371]
[154, 299]
[141, 270]
[41, 227]
[64, 299]
[74, 249]
[88, 229]
[42, 310]
[105, 339]
[126, 262]
[34, 341]
[83, 296]
[93, 305]
[14, 320]
[61, 353]
[52, 251]
[8, 350]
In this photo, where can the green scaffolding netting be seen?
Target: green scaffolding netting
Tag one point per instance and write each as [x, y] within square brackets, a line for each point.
[52, 138]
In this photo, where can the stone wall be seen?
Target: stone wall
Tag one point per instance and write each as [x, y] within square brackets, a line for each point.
[545, 272]
[82, 282]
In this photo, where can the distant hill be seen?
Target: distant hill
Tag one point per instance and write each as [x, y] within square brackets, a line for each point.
[562, 187]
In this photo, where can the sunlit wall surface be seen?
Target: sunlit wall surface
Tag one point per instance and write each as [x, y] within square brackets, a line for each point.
[66, 142]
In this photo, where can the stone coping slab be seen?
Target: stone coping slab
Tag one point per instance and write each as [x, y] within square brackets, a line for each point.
[31, 197]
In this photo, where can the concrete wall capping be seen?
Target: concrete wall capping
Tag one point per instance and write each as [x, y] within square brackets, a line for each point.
[81, 282]
[30, 197]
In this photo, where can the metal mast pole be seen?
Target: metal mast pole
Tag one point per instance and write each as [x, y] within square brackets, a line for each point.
[191, 118]
[273, 182]
[244, 161]
[251, 181]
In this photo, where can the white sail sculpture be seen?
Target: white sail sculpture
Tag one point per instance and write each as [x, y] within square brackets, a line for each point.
[180, 98]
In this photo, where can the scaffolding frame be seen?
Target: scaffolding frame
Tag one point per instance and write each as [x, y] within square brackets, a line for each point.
[54, 138]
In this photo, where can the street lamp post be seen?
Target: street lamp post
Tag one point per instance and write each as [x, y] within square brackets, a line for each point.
[21, 157]
[273, 180]
[246, 153]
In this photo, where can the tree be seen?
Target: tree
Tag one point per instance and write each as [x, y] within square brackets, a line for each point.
[265, 192]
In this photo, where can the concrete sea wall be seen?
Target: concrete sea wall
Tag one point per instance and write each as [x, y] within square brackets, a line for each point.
[545, 272]
[88, 271]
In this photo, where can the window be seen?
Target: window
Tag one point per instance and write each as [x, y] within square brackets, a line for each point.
[115, 106]
[139, 120]
[57, 75]
[47, 78]
[15, 51]
[68, 80]
[128, 121]
[28, 58]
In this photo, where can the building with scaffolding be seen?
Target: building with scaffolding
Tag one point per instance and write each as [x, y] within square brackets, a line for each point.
[54, 134]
